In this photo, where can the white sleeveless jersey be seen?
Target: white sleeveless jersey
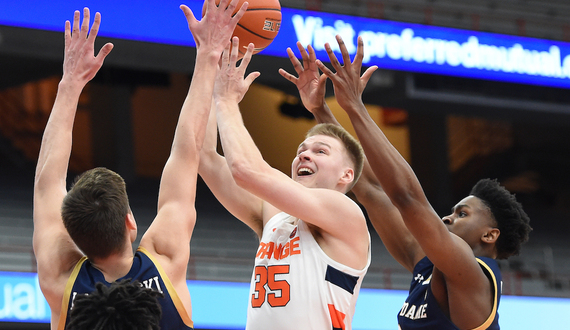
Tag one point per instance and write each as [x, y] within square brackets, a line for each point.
[295, 285]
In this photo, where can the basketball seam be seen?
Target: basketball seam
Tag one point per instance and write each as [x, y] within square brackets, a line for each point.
[272, 9]
[254, 33]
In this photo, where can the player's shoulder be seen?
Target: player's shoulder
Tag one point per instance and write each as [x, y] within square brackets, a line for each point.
[53, 284]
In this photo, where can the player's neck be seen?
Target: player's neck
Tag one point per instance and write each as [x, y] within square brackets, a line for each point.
[485, 251]
[115, 266]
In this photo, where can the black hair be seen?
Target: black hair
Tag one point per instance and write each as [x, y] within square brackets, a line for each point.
[512, 220]
[124, 305]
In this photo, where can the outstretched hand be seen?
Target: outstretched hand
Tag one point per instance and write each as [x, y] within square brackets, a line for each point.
[231, 84]
[79, 63]
[347, 82]
[215, 30]
[310, 83]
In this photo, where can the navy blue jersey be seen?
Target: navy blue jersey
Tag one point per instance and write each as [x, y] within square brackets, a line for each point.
[146, 270]
[421, 311]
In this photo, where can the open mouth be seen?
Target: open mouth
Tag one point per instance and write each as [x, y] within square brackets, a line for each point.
[304, 171]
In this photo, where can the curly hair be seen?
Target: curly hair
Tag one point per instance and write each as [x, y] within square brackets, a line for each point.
[124, 305]
[512, 221]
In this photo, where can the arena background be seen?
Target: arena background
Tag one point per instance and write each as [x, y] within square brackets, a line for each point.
[452, 127]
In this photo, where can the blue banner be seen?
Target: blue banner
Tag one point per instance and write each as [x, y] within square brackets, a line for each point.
[21, 299]
[390, 45]
[437, 50]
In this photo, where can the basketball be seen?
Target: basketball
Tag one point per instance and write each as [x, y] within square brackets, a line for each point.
[259, 25]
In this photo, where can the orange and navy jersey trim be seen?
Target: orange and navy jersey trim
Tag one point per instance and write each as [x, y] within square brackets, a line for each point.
[337, 318]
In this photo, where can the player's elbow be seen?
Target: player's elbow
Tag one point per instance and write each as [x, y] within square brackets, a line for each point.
[368, 192]
[406, 200]
[243, 173]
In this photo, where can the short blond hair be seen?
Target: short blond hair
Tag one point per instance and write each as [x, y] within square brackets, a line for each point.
[352, 146]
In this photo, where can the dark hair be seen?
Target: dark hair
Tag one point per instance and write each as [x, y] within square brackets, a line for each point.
[352, 145]
[511, 219]
[125, 305]
[94, 211]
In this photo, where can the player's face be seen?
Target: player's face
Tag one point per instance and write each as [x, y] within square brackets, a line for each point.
[469, 219]
[320, 163]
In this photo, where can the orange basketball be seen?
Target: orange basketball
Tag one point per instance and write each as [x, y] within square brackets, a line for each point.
[259, 25]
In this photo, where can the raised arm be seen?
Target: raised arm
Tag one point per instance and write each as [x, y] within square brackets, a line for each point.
[383, 215]
[310, 83]
[448, 252]
[387, 220]
[55, 252]
[329, 210]
[215, 172]
[168, 238]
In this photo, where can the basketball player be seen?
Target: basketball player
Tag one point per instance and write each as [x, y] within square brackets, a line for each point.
[457, 283]
[314, 245]
[84, 236]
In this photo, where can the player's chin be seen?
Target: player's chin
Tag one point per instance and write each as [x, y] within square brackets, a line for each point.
[305, 180]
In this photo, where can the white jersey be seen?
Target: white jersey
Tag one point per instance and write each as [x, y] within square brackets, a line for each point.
[295, 285]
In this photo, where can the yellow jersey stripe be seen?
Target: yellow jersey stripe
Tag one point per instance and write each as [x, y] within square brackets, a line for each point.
[173, 294]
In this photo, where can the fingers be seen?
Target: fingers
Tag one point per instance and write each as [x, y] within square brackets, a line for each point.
[322, 84]
[288, 76]
[105, 50]
[248, 54]
[95, 28]
[67, 34]
[240, 13]
[300, 47]
[245, 62]
[82, 29]
[343, 50]
[312, 58]
[296, 64]
[359, 52]
[230, 81]
[235, 51]
[190, 18]
[367, 74]
[251, 78]
[186, 10]
[332, 57]
[246, 58]
[85, 24]
[324, 69]
[223, 4]
[230, 54]
[76, 16]
[228, 7]
[304, 55]
[226, 55]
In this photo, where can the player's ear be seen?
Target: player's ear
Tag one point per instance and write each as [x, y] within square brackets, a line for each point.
[491, 235]
[347, 176]
[131, 225]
